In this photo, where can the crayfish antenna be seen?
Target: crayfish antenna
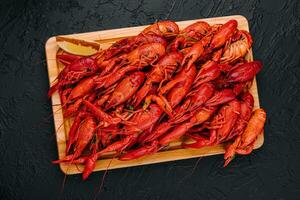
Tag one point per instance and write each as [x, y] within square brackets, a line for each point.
[193, 170]
[103, 178]
[63, 184]
[62, 187]
[46, 120]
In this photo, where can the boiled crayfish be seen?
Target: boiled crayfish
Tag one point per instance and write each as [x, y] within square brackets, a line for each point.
[146, 91]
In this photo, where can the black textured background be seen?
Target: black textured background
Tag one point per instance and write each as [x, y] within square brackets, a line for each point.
[27, 141]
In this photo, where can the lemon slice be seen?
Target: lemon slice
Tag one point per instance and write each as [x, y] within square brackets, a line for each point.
[77, 46]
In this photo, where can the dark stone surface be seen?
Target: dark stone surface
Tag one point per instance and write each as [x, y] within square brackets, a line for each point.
[27, 140]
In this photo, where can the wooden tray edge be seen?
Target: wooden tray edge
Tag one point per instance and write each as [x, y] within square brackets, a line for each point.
[64, 167]
[217, 150]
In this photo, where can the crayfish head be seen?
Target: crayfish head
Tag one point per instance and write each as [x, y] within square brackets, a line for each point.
[83, 65]
[196, 30]
[167, 29]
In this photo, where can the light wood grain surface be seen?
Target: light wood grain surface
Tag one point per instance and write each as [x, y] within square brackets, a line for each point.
[106, 38]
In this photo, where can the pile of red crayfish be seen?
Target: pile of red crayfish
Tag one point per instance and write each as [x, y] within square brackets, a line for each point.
[146, 91]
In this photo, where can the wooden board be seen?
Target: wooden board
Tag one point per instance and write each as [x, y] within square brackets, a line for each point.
[106, 38]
